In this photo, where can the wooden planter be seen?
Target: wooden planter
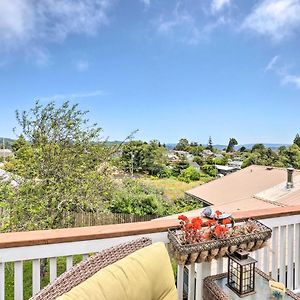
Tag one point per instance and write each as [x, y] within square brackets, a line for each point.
[208, 250]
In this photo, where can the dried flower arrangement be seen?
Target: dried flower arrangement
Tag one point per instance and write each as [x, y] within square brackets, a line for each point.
[198, 239]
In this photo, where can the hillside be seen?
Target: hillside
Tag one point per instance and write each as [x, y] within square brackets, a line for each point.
[7, 142]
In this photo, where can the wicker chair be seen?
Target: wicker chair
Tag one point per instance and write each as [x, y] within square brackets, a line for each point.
[89, 267]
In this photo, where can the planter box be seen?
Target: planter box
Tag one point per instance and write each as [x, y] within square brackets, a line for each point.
[208, 250]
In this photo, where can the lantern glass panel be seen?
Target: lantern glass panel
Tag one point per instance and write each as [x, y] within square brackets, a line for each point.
[241, 274]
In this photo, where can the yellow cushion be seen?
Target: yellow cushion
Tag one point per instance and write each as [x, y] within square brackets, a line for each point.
[143, 275]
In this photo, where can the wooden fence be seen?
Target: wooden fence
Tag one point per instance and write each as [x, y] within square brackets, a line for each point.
[95, 218]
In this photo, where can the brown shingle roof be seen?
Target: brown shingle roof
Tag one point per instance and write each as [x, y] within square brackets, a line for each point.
[237, 191]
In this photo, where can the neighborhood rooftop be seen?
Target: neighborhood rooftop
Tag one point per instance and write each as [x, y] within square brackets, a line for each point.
[253, 187]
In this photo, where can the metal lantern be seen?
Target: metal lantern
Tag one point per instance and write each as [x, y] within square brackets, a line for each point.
[241, 273]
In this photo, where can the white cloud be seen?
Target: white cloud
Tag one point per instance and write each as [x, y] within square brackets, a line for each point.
[272, 63]
[282, 71]
[277, 19]
[59, 97]
[181, 25]
[30, 23]
[146, 3]
[16, 22]
[291, 79]
[186, 26]
[218, 5]
[82, 65]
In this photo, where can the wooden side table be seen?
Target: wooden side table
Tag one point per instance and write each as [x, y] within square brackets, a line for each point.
[214, 288]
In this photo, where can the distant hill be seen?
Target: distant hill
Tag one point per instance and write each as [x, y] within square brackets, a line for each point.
[170, 146]
[272, 146]
[248, 146]
[7, 142]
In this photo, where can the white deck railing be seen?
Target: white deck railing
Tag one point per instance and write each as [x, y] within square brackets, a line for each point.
[281, 259]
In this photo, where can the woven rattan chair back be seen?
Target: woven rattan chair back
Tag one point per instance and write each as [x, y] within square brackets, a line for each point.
[87, 268]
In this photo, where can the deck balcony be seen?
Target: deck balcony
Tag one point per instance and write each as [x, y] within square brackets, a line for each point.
[281, 259]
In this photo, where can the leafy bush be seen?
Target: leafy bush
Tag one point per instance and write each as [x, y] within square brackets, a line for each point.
[165, 173]
[220, 161]
[189, 174]
[199, 160]
[210, 170]
[180, 165]
[137, 198]
[184, 204]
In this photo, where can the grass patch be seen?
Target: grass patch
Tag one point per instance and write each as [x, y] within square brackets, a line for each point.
[27, 276]
[171, 187]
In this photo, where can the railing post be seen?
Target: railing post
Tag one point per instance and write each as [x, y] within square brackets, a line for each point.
[18, 280]
[36, 276]
[275, 253]
[53, 268]
[2, 281]
[282, 253]
[199, 281]
[191, 290]
[297, 257]
[180, 269]
[290, 257]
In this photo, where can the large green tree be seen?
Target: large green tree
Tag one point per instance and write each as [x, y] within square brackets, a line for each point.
[210, 144]
[297, 140]
[58, 163]
[232, 142]
[182, 145]
[143, 157]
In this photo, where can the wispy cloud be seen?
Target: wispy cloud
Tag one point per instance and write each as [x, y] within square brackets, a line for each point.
[82, 65]
[282, 71]
[271, 65]
[292, 79]
[218, 5]
[181, 25]
[192, 25]
[59, 97]
[25, 23]
[277, 19]
[146, 3]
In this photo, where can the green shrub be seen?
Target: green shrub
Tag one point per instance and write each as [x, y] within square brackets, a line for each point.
[184, 204]
[137, 198]
[210, 170]
[189, 174]
[165, 173]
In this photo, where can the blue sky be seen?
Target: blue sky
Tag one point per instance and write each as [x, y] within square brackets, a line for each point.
[172, 69]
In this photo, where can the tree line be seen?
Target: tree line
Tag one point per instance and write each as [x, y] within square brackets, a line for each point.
[62, 165]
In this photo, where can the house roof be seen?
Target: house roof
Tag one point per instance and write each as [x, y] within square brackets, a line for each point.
[9, 177]
[225, 168]
[5, 153]
[248, 189]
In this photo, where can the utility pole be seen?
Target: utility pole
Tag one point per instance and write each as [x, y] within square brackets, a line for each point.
[3, 147]
[132, 160]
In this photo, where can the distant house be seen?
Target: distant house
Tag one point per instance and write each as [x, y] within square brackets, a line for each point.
[225, 170]
[172, 157]
[8, 177]
[235, 163]
[218, 155]
[5, 153]
[250, 188]
[206, 153]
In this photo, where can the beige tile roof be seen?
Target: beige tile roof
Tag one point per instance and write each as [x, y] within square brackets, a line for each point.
[237, 191]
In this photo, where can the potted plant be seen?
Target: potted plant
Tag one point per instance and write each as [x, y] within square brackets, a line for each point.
[202, 240]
